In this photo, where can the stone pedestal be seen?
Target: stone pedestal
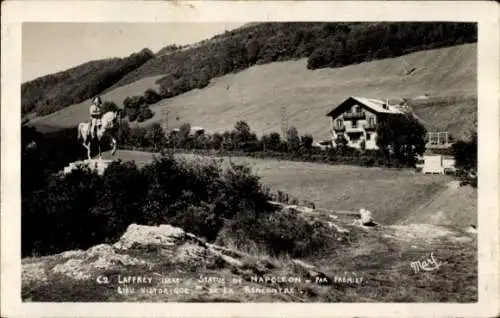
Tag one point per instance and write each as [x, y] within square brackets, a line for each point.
[98, 165]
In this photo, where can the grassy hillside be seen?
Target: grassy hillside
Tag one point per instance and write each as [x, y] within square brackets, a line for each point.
[257, 94]
[50, 93]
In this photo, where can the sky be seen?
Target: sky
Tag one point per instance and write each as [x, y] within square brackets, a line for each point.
[52, 47]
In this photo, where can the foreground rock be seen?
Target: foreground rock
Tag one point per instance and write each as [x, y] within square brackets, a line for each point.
[166, 264]
[169, 244]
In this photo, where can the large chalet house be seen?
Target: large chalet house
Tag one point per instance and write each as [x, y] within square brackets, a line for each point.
[356, 120]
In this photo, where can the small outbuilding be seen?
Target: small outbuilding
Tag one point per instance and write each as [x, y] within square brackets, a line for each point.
[436, 162]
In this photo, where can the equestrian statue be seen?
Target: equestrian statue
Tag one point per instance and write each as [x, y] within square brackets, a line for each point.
[99, 127]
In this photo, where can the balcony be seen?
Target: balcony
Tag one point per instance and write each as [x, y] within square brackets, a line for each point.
[357, 128]
[338, 128]
[355, 115]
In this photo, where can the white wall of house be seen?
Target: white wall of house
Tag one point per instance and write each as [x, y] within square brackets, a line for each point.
[356, 133]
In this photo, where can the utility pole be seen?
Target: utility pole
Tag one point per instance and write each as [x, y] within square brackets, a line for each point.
[165, 113]
[284, 123]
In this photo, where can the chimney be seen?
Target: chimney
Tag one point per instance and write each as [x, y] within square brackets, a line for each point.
[386, 104]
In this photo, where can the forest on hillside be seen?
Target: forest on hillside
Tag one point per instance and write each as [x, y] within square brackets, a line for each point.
[51, 93]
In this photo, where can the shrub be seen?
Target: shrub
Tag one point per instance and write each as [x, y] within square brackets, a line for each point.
[293, 140]
[200, 220]
[272, 141]
[83, 209]
[465, 152]
[306, 142]
[144, 114]
[281, 233]
[151, 96]
[108, 106]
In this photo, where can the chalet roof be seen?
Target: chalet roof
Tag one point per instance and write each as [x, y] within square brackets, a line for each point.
[373, 104]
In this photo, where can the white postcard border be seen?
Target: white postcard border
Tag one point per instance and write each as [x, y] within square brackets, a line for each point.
[485, 13]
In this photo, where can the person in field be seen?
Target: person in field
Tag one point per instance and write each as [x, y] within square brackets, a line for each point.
[95, 115]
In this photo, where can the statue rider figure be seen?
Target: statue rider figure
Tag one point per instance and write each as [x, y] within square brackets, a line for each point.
[95, 115]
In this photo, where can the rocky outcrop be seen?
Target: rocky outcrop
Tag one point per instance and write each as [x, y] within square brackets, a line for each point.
[169, 244]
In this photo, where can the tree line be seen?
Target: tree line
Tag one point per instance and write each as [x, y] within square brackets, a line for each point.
[401, 139]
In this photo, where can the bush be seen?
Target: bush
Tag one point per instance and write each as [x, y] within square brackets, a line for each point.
[144, 114]
[281, 233]
[306, 142]
[465, 152]
[151, 96]
[109, 106]
[83, 209]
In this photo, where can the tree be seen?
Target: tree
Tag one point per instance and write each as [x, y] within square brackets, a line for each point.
[241, 134]
[465, 152]
[182, 136]
[216, 141]
[124, 133]
[243, 130]
[306, 142]
[156, 136]
[401, 136]
[272, 141]
[151, 96]
[132, 108]
[144, 113]
[341, 144]
[293, 139]
[108, 106]
[138, 137]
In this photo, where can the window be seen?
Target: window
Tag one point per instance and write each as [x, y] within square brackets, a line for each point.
[371, 121]
[354, 124]
[339, 123]
[368, 136]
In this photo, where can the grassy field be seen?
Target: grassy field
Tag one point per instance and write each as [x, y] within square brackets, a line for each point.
[393, 195]
[257, 94]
